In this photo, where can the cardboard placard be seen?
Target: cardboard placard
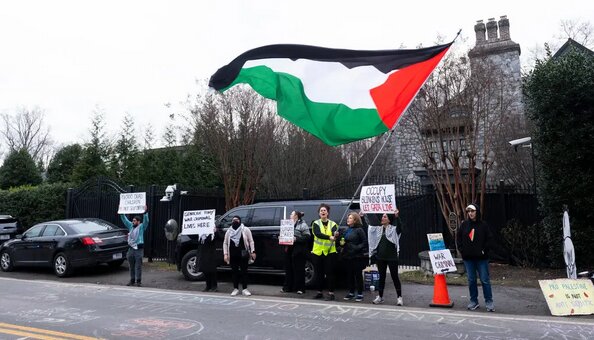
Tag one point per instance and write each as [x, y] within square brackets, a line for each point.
[568, 296]
[287, 232]
[132, 203]
[436, 241]
[198, 222]
[442, 261]
[378, 199]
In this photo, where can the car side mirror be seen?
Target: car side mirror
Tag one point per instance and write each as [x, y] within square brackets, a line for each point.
[20, 236]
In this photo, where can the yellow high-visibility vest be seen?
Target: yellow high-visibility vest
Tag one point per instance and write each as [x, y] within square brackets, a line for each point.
[321, 246]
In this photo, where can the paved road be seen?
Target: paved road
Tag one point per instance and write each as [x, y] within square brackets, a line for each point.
[80, 311]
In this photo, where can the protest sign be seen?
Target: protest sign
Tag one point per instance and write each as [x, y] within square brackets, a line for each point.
[442, 261]
[287, 232]
[568, 296]
[436, 241]
[132, 203]
[378, 199]
[198, 222]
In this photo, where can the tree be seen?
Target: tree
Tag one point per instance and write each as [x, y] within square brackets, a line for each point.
[27, 130]
[19, 169]
[560, 102]
[92, 162]
[61, 166]
[124, 159]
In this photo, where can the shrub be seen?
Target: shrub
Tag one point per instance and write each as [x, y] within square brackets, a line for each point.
[34, 204]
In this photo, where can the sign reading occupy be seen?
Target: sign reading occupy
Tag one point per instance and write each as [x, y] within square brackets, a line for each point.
[378, 199]
[132, 203]
[287, 232]
[198, 222]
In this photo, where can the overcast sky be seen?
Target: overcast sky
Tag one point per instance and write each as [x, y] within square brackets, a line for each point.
[71, 57]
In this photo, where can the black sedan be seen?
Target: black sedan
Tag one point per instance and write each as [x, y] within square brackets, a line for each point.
[66, 245]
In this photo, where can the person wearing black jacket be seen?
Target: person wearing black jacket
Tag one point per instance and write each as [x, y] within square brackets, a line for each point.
[473, 239]
[295, 256]
[206, 260]
[354, 252]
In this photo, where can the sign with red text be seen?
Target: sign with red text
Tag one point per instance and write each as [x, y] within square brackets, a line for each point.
[568, 296]
[132, 203]
[198, 222]
[378, 199]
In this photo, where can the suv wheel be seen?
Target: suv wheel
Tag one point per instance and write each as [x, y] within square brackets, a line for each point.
[6, 262]
[188, 266]
[61, 265]
[310, 274]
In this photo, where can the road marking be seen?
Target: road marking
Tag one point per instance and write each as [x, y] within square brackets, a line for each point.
[39, 333]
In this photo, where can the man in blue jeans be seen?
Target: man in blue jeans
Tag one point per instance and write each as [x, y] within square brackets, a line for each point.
[135, 254]
[473, 239]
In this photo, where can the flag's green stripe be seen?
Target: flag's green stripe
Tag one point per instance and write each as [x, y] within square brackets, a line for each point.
[334, 124]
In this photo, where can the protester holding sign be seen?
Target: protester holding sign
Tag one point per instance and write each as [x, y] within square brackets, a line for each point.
[325, 232]
[354, 250]
[207, 260]
[295, 256]
[239, 251]
[473, 239]
[384, 248]
[135, 254]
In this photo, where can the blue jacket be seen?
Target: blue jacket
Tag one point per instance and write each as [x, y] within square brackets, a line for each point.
[143, 226]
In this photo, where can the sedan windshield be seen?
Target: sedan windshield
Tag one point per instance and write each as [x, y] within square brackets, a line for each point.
[92, 226]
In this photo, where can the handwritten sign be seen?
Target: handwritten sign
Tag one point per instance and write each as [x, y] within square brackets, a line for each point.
[568, 296]
[198, 222]
[442, 261]
[287, 232]
[436, 241]
[132, 203]
[378, 199]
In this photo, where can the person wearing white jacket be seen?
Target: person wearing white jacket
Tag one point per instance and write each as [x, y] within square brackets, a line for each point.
[239, 251]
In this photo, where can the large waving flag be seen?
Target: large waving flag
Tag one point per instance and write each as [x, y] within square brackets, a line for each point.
[338, 95]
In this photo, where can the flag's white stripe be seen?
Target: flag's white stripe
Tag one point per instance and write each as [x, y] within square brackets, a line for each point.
[330, 82]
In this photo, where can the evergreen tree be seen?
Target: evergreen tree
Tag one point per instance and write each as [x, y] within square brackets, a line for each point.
[19, 169]
[124, 159]
[92, 162]
[61, 167]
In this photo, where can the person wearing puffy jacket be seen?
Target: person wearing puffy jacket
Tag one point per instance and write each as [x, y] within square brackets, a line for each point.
[354, 252]
[473, 239]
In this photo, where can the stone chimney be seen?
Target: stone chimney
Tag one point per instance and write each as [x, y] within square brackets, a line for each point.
[479, 29]
[492, 30]
[504, 28]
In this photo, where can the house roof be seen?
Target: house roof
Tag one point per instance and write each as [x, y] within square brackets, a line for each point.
[569, 45]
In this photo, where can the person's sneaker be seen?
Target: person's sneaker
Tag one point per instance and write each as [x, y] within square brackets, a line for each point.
[349, 296]
[490, 306]
[284, 290]
[207, 289]
[246, 292]
[235, 292]
[399, 301]
[319, 295]
[378, 299]
[359, 298]
[473, 305]
[138, 284]
[330, 297]
[214, 290]
[131, 283]
[299, 292]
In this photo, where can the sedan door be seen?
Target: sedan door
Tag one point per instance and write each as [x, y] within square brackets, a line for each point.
[25, 250]
[47, 242]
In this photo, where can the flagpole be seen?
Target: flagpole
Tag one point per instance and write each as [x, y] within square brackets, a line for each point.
[387, 139]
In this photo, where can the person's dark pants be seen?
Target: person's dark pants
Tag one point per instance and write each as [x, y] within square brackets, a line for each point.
[298, 263]
[211, 280]
[289, 270]
[354, 269]
[134, 258]
[238, 263]
[381, 268]
[482, 267]
[325, 265]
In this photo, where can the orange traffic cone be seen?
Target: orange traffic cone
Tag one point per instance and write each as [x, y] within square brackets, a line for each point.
[441, 298]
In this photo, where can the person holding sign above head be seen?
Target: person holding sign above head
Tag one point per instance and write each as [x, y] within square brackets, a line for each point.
[354, 252]
[325, 232]
[239, 251]
[473, 239]
[384, 249]
[295, 256]
[207, 260]
[135, 254]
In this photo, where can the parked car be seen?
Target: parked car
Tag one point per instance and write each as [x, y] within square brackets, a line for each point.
[10, 227]
[263, 219]
[65, 245]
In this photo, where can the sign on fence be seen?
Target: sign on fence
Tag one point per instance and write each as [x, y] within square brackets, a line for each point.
[442, 261]
[568, 296]
[132, 203]
[378, 199]
[198, 222]
[287, 232]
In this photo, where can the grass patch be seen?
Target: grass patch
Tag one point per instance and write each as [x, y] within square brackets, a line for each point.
[161, 266]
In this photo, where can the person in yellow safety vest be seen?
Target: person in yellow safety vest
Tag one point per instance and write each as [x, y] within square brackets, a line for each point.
[325, 232]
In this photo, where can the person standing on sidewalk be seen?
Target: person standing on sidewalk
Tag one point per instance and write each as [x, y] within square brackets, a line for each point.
[354, 252]
[295, 256]
[135, 254]
[473, 239]
[239, 251]
[206, 260]
[325, 232]
[384, 249]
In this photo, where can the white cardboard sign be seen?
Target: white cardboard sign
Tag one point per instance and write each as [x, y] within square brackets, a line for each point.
[378, 199]
[442, 261]
[198, 222]
[287, 232]
[132, 203]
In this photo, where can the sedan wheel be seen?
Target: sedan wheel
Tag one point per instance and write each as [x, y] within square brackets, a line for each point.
[5, 262]
[61, 265]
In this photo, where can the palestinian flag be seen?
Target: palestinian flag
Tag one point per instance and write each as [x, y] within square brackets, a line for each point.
[337, 95]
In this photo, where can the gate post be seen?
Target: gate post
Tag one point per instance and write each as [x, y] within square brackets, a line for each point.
[68, 202]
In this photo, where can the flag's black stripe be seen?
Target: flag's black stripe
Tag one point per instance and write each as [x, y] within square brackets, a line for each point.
[384, 60]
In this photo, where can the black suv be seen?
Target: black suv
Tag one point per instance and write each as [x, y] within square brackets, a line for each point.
[10, 227]
[263, 219]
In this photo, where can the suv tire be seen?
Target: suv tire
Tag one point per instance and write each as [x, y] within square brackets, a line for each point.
[6, 262]
[188, 266]
[310, 274]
